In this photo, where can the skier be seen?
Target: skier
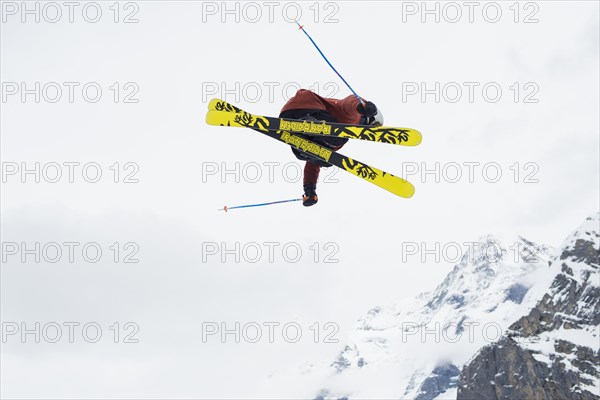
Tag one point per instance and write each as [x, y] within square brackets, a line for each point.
[306, 105]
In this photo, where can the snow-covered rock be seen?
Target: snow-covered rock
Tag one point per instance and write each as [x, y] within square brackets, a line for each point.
[553, 352]
[415, 349]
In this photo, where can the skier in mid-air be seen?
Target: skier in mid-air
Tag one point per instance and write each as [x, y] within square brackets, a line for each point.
[306, 105]
[317, 143]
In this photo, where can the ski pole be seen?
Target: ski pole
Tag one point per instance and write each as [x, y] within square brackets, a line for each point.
[225, 208]
[301, 27]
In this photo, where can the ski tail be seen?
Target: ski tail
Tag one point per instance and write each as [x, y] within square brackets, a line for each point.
[221, 105]
[240, 120]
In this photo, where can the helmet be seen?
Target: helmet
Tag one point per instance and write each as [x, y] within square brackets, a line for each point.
[371, 114]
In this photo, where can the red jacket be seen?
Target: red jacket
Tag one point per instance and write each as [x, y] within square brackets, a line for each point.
[343, 110]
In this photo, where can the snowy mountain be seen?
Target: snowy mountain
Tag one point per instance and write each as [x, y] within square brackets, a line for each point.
[553, 351]
[416, 348]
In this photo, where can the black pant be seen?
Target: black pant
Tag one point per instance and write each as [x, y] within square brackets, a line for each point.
[333, 143]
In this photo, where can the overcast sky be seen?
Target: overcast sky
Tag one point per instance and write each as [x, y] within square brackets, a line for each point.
[156, 76]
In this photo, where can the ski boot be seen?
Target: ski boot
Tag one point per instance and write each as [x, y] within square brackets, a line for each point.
[310, 196]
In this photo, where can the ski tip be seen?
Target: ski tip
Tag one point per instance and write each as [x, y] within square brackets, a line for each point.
[402, 188]
[418, 138]
[415, 138]
[212, 103]
[406, 192]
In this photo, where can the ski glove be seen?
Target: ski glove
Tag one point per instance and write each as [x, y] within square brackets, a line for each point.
[368, 109]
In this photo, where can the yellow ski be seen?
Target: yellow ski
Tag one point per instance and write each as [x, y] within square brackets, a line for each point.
[381, 134]
[384, 180]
